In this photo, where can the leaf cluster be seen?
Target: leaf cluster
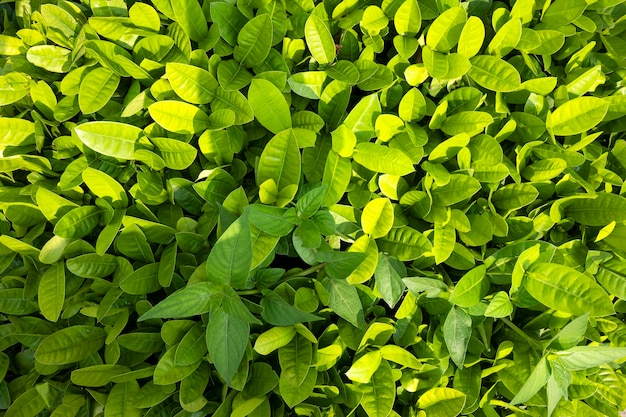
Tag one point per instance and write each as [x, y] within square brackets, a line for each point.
[313, 208]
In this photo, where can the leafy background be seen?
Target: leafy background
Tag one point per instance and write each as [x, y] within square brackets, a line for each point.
[333, 208]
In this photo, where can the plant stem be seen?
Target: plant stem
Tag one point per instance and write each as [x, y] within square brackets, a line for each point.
[521, 333]
[286, 277]
[303, 273]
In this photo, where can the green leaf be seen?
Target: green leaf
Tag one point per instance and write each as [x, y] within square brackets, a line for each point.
[612, 276]
[383, 159]
[269, 105]
[362, 117]
[78, 222]
[388, 279]
[294, 395]
[459, 188]
[319, 40]
[51, 292]
[50, 58]
[379, 394]
[499, 306]
[472, 37]
[442, 402]
[571, 334]
[11, 46]
[179, 117]
[230, 259]
[544, 169]
[192, 347]
[14, 86]
[468, 381]
[514, 196]
[339, 265]
[579, 358]
[408, 18]
[96, 89]
[30, 402]
[444, 240]
[189, 15]
[561, 12]
[144, 280]
[228, 19]
[273, 339]
[226, 340]
[506, 39]
[445, 31]
[494, 74]
[295, 359]
[343, 299]
[364, 367]
[596, 210]
[177, 154]
[191, 83]
[280, 162]
[471, 288]
[119, 402]
[168, 372]
[577, 116]
[274, 221]
[12, 302]
[535, 382]
[96, 375]
[278, 312]
[188, 302]
[308, 84]
[564, 288]
[469, 122]
[254, 41]
[457, 329]
[109, 138]
[16, 132]
[337, 174]
[400, 356]
[69, 345]
[234, 101]
[412, 107]
[377, 218]
[405, 243]
[92, 265]
[103, 186]
[232, 76]
[344, 71]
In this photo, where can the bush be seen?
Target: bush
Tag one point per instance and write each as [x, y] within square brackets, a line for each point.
[267, 208]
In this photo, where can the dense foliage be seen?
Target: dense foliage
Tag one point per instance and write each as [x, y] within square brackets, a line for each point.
[277, 208]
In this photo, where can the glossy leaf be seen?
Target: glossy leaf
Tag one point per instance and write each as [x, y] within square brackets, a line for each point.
[226, 339]
[51, 292]
[457, 330]
[377, 217]
[254, 41]
[494, 74]
[563, 288]
[96, 89]
[191, 83]
[577, 116]
[69, 345]
[269, 105]
[179, 117]
[109, 138]
[319, 40]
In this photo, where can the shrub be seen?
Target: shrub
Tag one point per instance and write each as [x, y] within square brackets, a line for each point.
[267, 208]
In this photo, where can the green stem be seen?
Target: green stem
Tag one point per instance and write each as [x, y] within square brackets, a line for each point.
[521, 333]
[249, 292]
[303, 273]
[286, 277]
